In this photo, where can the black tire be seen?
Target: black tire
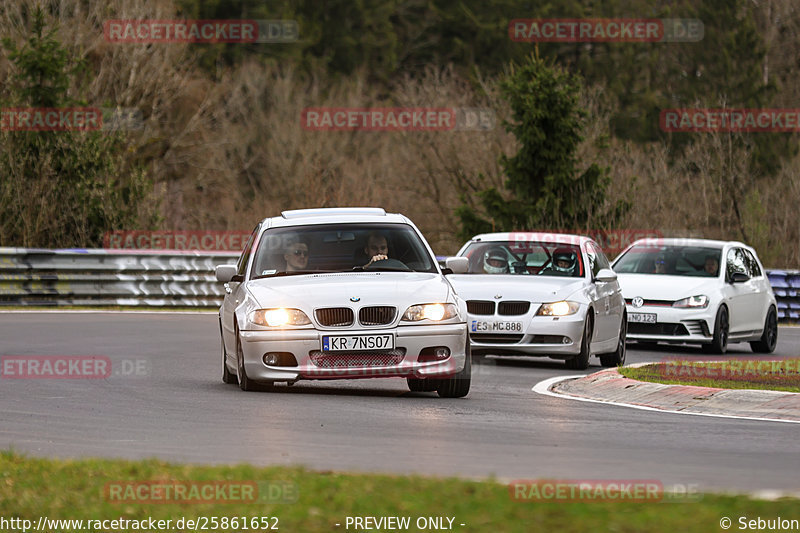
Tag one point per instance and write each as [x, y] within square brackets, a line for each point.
[227, 376]
[581, 361]
[245, 383]
[617, 357]
[719, 344]
[422, 385]
[458, 385]
[769, 338]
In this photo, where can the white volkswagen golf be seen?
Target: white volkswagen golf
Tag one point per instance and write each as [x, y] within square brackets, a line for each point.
[342, 293]
[697, 291]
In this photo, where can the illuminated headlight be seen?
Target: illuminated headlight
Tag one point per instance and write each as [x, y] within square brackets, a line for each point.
[435, 312]
[276, 318]
[562, 308]
[693, 302]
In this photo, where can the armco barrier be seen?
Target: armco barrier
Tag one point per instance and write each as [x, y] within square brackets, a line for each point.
[149, 278]
[786, 285]
[78, 277]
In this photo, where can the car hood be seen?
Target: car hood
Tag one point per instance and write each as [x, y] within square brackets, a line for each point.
[660, 287]
[336, 290]
[515, 287]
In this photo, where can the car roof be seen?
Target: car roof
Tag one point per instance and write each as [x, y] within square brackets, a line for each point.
[334, 215]
[560, 238]
[709, 243]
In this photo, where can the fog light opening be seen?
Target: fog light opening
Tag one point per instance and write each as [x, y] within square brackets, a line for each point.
[566, 340]
[434, 354]
[271, 359]
[279, 359]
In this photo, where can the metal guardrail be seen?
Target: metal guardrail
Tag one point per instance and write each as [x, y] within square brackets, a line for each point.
[786, 285]
[90, 277]
[158, 278]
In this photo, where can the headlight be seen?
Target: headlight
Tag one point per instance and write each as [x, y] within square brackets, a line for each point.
[276, 318]
[693, 302]
[562, 308]
[435, 312]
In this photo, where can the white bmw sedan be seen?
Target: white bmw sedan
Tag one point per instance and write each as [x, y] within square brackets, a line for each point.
[697, 291]
[337, 294]
[542, 294]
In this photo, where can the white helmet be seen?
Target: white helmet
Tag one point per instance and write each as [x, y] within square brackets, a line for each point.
[567, 256]
[495, 261]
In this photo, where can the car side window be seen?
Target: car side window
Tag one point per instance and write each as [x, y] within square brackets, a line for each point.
[602, 260]
[591, 255]
[752, 264]
[736, 263]
[248, 249]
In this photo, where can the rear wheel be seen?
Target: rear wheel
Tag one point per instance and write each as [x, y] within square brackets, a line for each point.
[769, 339]
[617, 357]
[719, 344]
[581, 361]
[458, 385]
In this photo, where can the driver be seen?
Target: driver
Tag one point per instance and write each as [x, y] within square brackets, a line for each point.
[377, 248]
[564, 262]
[495, 261]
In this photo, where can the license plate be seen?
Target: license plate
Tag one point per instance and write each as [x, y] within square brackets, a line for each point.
[647, 318]
[349, 343]
[482, 325]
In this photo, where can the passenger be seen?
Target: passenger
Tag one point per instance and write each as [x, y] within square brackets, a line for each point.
[296, 255]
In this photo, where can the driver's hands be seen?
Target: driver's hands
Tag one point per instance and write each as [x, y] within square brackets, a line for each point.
[375, 258]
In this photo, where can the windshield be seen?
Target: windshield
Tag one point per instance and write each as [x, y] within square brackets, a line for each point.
[526, 258]
[670, 260]
[338, 248]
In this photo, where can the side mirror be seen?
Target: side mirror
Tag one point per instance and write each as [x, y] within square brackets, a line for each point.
[457, 265]
[739, 277]
[225, 273]
[606, 275]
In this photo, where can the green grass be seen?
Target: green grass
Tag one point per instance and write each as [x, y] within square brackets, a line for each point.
[780, 375]
[66, 489]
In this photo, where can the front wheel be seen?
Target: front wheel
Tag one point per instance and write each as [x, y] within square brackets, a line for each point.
[581, 361]
[617, 357]
[719, 344]
[458, 385]
[227, 376]
[422, 385]
[769, 338]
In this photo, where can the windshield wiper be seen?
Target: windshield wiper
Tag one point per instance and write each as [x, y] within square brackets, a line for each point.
[293, 273]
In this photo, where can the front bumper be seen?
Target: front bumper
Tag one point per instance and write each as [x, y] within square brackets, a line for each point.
[302, 343]
[544, 336]
[694, 326]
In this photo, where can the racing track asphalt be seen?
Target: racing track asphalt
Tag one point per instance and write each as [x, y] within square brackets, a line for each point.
[179, 410]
